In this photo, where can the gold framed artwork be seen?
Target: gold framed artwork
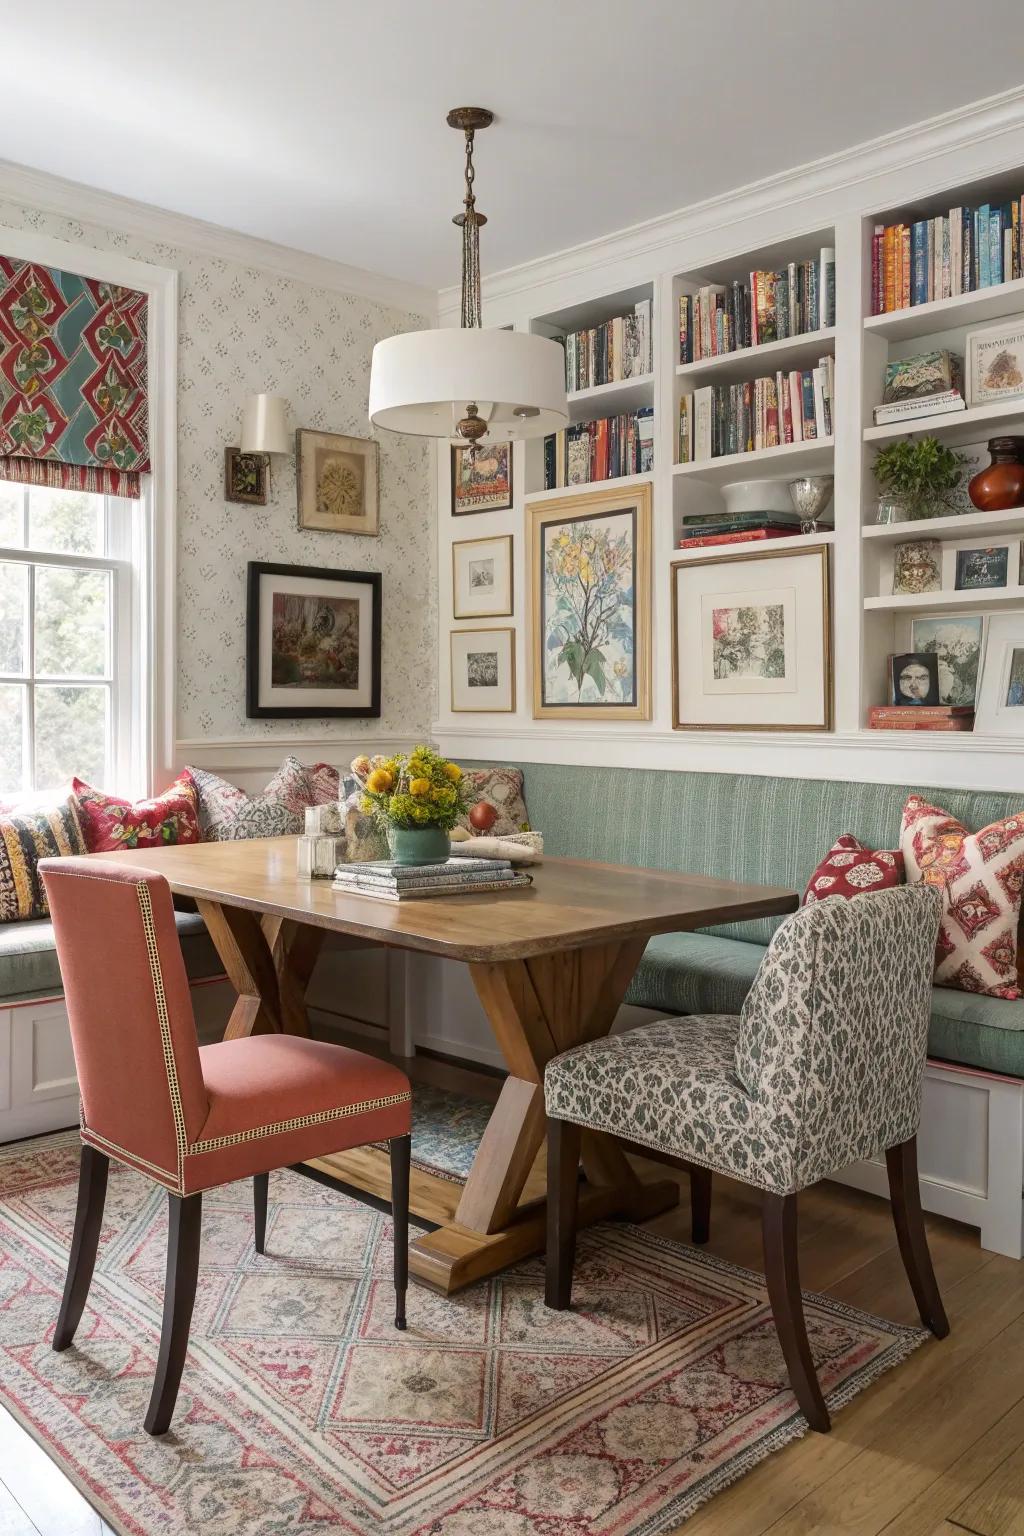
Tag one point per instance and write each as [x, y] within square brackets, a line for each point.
[483, 671]
[337, 482]
[482, 578]
[590, 583]
[481, 481]
[246, 477]
[752, 642]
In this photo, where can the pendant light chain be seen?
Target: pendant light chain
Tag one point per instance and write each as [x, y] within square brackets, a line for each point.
[472, 308]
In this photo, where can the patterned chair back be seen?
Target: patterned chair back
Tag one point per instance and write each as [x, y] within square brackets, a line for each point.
[834, 1031]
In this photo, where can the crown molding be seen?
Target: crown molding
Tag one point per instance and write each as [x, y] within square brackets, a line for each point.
[936, 137]
[91, 205]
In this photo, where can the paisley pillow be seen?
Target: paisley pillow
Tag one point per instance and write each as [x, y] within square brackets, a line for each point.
[850, 869]
[227, 813]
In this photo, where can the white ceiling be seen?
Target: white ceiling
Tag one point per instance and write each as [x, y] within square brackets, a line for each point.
[320, 123]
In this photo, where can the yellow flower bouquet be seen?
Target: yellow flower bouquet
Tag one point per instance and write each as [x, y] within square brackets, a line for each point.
[418, 793]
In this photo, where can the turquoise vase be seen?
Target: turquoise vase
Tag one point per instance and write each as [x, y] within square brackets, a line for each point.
[419, 845]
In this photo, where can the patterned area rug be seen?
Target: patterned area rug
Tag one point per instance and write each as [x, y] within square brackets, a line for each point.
[446, 1131]
[302, 1411]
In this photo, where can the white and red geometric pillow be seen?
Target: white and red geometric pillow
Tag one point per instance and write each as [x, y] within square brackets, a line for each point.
[850, 869]
[981, 875]
[227, 813]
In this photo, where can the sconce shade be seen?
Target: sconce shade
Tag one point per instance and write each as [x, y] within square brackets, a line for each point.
[422, 383]
[265, 425]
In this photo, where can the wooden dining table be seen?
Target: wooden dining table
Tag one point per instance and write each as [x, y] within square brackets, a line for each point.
[550, 965]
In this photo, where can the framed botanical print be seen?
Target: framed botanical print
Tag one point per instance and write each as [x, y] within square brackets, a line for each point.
[590, 569]
[337, 481]
[246, 477]
[752, 642]
[482, 481]
[482, 578]
[313, 642]
[483, 663]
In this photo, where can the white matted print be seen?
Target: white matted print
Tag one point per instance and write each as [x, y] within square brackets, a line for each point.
[313, 642]
[483, 663]
[482, 578]
[752, 642]
[1000, 710]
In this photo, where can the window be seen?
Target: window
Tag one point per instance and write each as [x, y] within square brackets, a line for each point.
[71, 604]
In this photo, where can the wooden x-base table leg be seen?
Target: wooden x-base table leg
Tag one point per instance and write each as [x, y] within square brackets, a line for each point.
[268, 961]
[537, 1008]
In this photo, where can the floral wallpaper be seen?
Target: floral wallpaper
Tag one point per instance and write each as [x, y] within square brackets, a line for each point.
[241, 331]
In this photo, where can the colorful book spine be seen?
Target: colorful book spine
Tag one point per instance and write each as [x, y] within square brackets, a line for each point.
[748, 536]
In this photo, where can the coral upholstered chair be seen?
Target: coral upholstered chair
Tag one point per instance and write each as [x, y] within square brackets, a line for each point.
[192, 1117]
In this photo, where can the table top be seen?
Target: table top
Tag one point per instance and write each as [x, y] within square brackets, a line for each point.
[572, 903]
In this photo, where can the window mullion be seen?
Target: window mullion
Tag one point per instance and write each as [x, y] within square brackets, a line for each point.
[30, 659]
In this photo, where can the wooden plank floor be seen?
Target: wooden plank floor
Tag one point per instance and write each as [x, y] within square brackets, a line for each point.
[935, 1448]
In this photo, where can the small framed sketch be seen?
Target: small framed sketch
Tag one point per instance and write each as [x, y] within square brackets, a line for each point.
[337, 480]
[246, 477]
[914, 678]
[995, 363]
[313, 642]
[752, 647]
[482, 482]
[1000, 710]
[483, 670]
[482, 578]
[590, 577]
[917, 567]
[956, 641]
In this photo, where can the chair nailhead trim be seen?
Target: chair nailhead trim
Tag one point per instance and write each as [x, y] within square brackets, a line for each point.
[299, 1123]
[160, 998]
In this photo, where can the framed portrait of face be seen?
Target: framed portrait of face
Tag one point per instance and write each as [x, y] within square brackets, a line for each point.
[915, 678]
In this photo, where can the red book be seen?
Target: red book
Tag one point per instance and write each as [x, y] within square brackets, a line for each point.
[922, 725]
[748, 536]
[919, 711]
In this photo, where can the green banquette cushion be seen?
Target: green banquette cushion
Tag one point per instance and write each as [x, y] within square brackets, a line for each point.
[28, 959]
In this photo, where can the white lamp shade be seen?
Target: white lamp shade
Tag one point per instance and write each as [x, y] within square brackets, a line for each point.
[421, 383]
[265, 425]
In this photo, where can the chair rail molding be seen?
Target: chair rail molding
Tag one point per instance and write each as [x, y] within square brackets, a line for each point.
[249, 753]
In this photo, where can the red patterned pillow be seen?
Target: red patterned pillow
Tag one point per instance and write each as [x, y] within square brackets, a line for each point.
[981, 875]
[110, 823]
[850, 869]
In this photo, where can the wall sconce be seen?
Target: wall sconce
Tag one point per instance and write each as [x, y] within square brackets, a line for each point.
[264, 431]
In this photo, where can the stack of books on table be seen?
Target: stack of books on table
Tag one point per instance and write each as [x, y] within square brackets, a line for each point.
[701, 529]
[921, 717]
[406, 882]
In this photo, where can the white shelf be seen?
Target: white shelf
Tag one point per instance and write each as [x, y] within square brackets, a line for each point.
[611, 399]
[967, 526]
[746, 362]
[990, 597]
[984, 306]
[957, 426]
[809, 458]
[615, 483]
[753, 546]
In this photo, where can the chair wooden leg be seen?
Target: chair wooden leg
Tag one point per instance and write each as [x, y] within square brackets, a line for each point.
[564, 1140]
[700, 1203]
[92, 1192]
[905, 1194]
[778, 1224]
[401, 1157]
[260, 1192]
[185, 1216]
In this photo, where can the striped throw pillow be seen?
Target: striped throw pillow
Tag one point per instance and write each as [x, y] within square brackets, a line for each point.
[26, 837]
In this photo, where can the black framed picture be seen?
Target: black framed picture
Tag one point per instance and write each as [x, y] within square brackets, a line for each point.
[915, 678]
[312, 642]
[979, 568]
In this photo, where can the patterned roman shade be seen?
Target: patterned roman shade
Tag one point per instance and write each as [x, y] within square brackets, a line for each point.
[74, 410]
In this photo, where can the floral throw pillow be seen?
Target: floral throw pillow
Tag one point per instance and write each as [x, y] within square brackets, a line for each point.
[850, 869]
[503, 788]
[980, 875]
[26, 837]
[110, 823]
[227, 813]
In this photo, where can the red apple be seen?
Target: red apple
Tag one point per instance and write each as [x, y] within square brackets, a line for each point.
[483, 816]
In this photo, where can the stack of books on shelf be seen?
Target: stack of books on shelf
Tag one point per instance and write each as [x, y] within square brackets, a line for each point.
[921, 717]
[941, 258]
[773, 306]
[406, 882]
[621, 348]
[701, 530]
[760, 413]
[600, 450]
[928, 384]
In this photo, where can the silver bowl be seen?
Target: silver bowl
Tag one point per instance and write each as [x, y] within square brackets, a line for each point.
[810, 496]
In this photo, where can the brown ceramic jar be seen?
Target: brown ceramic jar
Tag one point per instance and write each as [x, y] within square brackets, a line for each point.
[1001, 485]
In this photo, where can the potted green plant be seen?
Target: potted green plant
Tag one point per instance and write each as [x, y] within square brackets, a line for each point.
[917, 479]
[416, 800]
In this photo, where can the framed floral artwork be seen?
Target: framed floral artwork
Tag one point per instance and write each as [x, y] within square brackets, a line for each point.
[313, 642]
[482, 578]
[337, 480]
[246, 477]
[752, 647]
[590, 561]
[481, 479]
[483, 671]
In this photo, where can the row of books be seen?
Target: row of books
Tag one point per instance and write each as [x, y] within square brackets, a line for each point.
[701, 530]
[921, 717]
[941, 258]
[772, 306]
[759, 413]
[406, 882]
[621, 348]
[600, 450]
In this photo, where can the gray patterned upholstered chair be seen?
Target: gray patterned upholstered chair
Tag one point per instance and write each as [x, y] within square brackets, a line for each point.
[823, 1067]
